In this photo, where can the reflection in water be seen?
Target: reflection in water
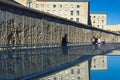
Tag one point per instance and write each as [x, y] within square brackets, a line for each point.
[23, 63]
[112, 73]
[81, 71]
[102, 68]
[99, 63]
[17, 66]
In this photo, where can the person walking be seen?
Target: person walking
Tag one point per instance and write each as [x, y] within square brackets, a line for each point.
[64, 45]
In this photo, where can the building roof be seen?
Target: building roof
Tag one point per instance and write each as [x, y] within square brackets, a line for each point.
[65, 0]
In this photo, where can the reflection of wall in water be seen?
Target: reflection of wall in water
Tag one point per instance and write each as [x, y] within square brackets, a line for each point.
[17, 66]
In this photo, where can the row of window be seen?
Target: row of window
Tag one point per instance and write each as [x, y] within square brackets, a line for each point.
[99, 66]
[72, 71]
[98, 16]
[99, 26]
[98, 21]
[77, 19]
[77, 13]
[100, 61]
[54, 6]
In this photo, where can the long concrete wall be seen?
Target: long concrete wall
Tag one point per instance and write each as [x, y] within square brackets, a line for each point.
[21, 25]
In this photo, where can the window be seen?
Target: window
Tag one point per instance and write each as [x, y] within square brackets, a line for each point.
[71, 12]
[94, 66]
[78, 71]
[78, 78]
[60, 6]
[94, 60]
[54, 6]
[102, 61]
[78, 6]
[71, 18]
[102, 21]
[42, 5]
[78, 13]
[72, 71]
[93, 16]
[29, 4]
[98, 26]
[37, 5]
[54, 78]
[93, 21]
[66, 71]
[77, 19]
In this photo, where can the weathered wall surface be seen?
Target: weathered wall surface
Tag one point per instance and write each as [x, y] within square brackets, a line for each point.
[21, 25]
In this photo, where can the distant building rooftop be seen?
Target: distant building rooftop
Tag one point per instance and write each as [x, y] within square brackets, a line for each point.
[65, 0]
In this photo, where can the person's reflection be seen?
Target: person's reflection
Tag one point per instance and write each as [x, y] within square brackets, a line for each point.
[64, 45]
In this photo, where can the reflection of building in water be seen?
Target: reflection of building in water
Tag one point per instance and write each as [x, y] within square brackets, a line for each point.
[78, 72]
[99, 63]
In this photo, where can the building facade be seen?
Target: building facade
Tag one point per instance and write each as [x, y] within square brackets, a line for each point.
[76, 10]
[98, 20]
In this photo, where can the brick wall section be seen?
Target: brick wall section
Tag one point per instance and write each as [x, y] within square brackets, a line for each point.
[20, 25]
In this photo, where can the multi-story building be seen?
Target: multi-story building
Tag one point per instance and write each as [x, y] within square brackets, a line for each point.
[98, 20]
[99, 63]
[76, 10]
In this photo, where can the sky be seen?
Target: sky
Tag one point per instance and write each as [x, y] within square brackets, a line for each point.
[111, 7]
[112, 73]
